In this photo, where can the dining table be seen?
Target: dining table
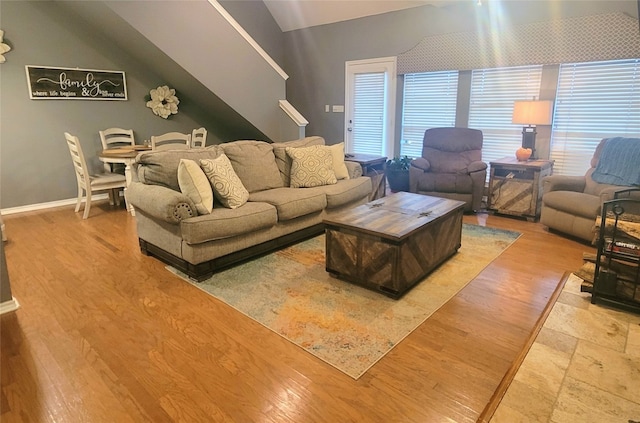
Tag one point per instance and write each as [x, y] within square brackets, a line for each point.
[125, 155]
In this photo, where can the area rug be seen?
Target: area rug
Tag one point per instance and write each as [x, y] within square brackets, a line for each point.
[347, 326]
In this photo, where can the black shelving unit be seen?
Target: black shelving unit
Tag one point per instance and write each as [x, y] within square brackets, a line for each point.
[617, 273]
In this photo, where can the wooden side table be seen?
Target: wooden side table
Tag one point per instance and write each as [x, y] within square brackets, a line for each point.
[373, 167]
[515, 188]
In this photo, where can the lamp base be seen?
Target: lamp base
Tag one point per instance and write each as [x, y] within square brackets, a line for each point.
[529, 139]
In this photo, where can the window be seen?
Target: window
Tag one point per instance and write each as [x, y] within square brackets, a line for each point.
[493, 92]
[593, 101]
[429, 102]
[368, 113]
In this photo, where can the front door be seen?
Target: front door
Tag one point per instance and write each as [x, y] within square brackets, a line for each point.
[370, 106]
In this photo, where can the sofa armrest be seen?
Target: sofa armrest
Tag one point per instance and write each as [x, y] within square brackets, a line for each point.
[134, 171]
[421, 163]
[354, 169]
[160, 202]
[563, 183]
[415, 173]
[477, 167]
[608, 194]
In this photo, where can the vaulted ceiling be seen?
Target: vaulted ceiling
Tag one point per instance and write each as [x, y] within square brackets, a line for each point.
[296, 14]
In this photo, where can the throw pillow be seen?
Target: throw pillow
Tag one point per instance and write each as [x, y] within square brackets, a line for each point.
[337, 152]
[227, 187]
[254, 163]
[311, 167]
[284, 162]
[195, 185]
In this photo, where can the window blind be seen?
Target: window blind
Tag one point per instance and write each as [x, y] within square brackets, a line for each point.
[493, 92]
[429, 101]
[593, 101]
[368, 124]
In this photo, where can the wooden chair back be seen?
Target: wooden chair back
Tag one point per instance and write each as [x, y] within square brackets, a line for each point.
[116, 137]
[77, 157]
[171, 141]
[198, 138]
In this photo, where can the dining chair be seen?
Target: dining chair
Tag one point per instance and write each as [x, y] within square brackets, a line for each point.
[116, 137]
[171, 141]
[198, 138]
[87, 183]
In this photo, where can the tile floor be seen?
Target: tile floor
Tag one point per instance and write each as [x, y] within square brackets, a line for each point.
[584, 366]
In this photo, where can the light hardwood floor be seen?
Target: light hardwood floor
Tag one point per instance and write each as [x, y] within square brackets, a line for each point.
[105, 334]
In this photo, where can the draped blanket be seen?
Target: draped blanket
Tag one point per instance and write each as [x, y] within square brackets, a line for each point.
[619, 162]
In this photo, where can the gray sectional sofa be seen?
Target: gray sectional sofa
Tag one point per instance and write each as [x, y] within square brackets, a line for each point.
[171, 228]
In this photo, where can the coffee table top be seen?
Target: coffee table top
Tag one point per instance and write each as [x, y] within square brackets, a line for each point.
[395, 216]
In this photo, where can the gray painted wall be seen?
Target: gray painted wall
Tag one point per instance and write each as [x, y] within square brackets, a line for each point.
[315, 57]
[207, 47]
[35, 166]
[34, 160]
[256, 19]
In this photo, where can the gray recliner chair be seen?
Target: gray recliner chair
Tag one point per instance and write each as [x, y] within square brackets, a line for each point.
[451, 166]
[571, 204]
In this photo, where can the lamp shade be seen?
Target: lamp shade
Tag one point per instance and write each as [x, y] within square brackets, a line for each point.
[535, 112]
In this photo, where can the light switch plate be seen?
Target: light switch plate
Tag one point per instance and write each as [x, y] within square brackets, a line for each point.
[338, 108]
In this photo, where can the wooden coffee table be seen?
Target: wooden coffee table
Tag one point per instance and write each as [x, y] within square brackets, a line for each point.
[392, 243]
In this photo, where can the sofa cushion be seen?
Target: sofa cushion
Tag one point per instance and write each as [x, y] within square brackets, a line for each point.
[339, 168]
[575, 203]
[254, 163]
[311, 167]
[227, 187]
[225, 223]
[345, 191]
[195, 185]
[161, 167]
[284, 162]
[292, 202]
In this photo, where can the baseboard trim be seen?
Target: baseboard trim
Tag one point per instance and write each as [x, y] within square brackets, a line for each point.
[9, 306]
[50, 204]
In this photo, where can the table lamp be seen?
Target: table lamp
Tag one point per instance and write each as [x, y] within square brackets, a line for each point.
[534, 112]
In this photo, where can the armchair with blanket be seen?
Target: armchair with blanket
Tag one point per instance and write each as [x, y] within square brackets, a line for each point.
[571, 204]
[451, 166]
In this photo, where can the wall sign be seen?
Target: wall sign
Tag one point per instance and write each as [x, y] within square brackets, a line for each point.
[75, 84]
